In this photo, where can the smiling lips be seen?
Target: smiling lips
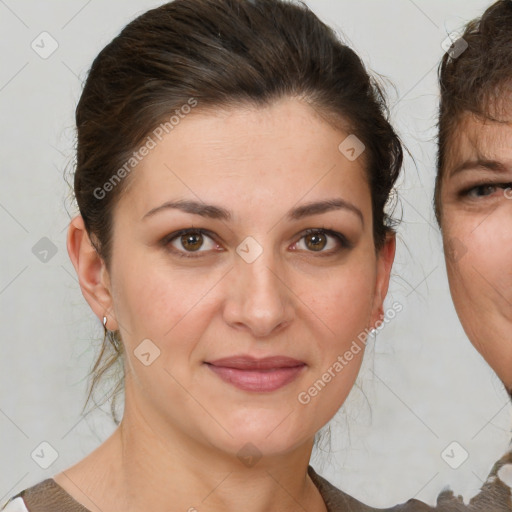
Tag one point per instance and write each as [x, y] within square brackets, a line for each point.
[252, 374]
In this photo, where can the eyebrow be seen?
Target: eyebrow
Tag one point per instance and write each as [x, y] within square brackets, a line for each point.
[219, 213]
[490, 165]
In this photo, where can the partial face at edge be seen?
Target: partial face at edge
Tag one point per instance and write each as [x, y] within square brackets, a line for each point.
[200, 298]
[476, 203]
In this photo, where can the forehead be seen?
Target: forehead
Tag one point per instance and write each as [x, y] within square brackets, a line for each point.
[475, 138]
[284, 151]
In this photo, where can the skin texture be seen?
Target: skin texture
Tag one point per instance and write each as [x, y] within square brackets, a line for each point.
[477, 230]
[183, 426]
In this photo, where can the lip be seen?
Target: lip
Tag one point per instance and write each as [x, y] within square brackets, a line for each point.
[257, 374]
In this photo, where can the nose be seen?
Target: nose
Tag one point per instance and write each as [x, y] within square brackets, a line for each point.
[259, 300]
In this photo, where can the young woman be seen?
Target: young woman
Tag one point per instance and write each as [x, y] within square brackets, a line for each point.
[473, 202]
[233, 163]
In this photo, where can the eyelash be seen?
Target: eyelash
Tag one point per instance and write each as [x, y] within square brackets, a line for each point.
[465, 192]
[343, 242]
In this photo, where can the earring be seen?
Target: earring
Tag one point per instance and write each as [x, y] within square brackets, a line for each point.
[111, 335]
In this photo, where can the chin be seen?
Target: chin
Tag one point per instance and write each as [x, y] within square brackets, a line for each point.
[270, 436]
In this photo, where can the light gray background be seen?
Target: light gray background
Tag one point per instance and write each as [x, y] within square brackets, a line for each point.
[422, 385]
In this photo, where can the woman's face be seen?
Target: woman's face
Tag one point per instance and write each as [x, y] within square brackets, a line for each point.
[476, 201]
[246, 281]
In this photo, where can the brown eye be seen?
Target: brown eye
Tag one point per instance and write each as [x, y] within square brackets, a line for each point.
[192, 241]
[316, 241]
[325, 242]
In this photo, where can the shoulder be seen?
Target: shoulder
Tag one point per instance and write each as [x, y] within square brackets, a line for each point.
[44, 496]
[495, 494]
[21, 501]
[338, 501]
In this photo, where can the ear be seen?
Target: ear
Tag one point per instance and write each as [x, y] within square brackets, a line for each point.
[91, 271]
[385, 260]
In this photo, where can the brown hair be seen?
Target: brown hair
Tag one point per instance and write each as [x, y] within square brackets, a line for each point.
[219, 53]
[474, 81]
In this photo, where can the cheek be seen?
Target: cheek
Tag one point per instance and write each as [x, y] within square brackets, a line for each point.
[479, 258]
[479, 265]
[491, 259]
[153, 302]
[342, 301]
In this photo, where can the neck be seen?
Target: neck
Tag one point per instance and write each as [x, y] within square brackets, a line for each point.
[146, 465]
